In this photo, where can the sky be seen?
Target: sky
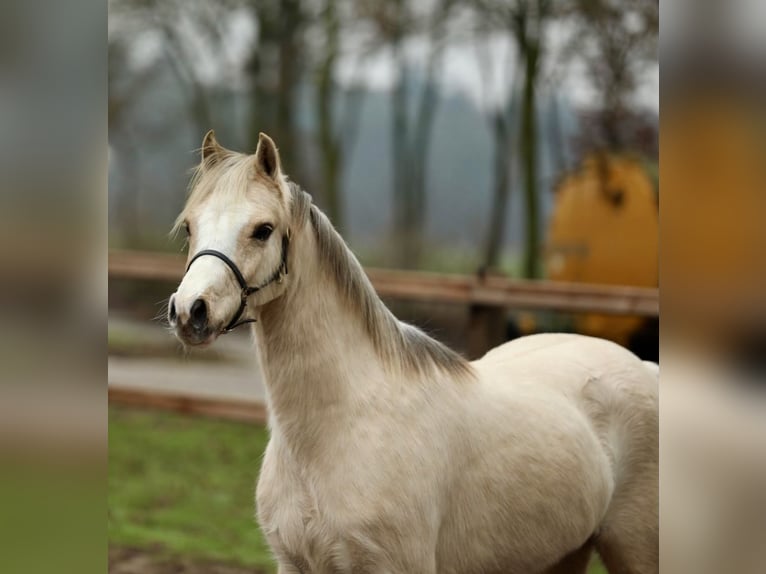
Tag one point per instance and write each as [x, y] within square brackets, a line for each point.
[459, 71]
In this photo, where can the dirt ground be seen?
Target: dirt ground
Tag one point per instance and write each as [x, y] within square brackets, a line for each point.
[143, 561]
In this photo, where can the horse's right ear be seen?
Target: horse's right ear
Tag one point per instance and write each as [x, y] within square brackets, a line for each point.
[212, 151]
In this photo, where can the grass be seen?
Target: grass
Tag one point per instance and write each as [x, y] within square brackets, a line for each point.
[186, 485]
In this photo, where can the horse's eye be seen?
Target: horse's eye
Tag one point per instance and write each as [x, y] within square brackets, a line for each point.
[187, 229]
[263, 232]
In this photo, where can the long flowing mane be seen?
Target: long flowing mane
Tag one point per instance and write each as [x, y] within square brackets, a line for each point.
[397, 342]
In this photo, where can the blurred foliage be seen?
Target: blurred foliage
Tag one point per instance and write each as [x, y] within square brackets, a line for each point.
[616, 41]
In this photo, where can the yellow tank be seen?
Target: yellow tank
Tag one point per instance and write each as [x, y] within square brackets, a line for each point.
[605, 230]
[714, 171]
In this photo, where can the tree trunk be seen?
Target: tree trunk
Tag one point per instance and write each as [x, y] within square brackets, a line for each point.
[558, 144]
[401, 191]
[500, 192]
[529, 163]
[417, 158]
[330, 145]
[423, 130]
[289, 52]
[261, 112]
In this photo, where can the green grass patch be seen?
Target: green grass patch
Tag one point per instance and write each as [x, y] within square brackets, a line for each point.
[186, 485]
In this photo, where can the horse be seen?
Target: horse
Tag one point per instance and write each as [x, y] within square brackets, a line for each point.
[388, 451]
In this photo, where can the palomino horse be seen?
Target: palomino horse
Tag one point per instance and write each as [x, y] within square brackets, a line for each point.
[390, 453]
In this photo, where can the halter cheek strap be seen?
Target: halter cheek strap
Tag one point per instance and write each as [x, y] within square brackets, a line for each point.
[246, 289]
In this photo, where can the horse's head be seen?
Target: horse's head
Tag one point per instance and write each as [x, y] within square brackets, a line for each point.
[237, 219]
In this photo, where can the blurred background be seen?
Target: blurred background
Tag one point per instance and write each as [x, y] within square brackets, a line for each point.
[460, 143]
[515, 138]
[433, 133]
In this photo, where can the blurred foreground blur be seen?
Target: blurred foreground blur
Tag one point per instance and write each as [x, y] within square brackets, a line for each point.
[713, 270]
[53, 167]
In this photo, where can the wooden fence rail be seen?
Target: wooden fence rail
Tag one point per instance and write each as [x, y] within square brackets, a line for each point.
[483, 295]
[491, 291]
[189, 404]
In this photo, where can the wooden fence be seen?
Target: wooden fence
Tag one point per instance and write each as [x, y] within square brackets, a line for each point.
[485, 297]
[188, 404]
[490, 291]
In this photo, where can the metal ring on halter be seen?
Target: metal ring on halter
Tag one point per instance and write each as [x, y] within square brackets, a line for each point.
[246, 289]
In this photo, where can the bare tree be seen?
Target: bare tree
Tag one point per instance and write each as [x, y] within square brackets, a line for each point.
[419, 140]
[337, 112]
[186, 28]
[396, 22]
[275, 69]
[529, 22]
[615, 39]
[122, 91]
[525, 21]
[187, 31]
[501, 119]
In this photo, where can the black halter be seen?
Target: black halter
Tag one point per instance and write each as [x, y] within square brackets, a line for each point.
[246, 289]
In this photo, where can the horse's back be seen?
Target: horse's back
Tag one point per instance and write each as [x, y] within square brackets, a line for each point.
[616, 392]
[566, 363]
[528, 447]
[617, 395]
[546, 352]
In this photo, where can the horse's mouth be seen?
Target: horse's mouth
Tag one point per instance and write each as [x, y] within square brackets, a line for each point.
[200, 344]
[196, 339]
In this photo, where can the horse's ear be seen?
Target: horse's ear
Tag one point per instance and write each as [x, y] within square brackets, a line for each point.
[267, 157]
[212, 151]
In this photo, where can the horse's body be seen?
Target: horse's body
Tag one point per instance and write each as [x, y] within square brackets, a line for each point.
[389, 453]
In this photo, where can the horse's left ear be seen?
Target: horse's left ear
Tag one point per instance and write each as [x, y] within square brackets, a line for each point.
[267, 157]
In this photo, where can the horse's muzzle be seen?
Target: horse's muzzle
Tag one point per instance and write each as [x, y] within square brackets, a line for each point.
[193, 328]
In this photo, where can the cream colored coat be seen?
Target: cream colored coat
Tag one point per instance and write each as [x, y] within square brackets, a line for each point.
[519, 462]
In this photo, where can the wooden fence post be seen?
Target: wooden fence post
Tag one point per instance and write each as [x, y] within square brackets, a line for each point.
[486, 329]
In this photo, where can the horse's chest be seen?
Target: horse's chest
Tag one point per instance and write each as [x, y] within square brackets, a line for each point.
[292, 518]
[301, 535]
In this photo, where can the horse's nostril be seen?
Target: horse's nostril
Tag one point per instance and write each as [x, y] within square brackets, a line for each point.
[172, 315]
[198, 315]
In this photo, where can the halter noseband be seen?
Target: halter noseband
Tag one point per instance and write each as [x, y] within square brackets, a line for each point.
[246, 289]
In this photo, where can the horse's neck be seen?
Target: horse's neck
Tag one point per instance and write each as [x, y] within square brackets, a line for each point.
[319, 362]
